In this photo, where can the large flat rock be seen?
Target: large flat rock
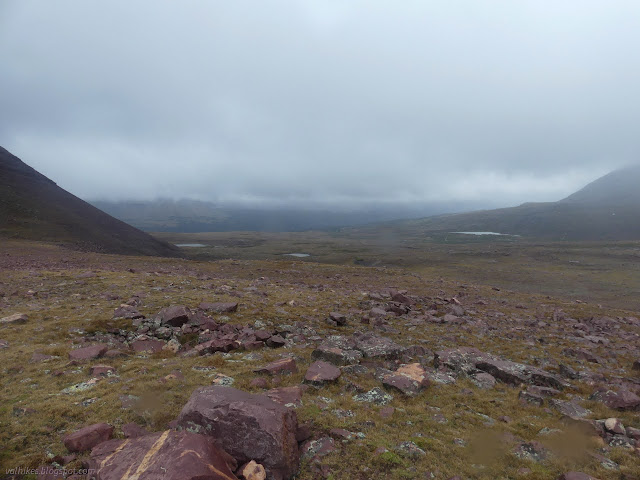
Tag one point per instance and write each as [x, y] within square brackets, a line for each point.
[161, 456]
[247, 426]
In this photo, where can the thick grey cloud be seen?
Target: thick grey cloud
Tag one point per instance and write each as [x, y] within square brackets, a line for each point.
[332, 102]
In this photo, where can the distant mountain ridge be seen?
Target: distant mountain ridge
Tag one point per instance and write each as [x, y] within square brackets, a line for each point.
[606, 209]
[33, 207]
[166, 215]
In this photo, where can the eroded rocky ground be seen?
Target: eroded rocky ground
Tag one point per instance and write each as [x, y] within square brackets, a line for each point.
[347, 372]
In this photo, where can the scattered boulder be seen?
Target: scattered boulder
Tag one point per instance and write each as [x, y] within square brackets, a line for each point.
[127, 312]
[88, 437]
[408, 379]
[617, 399]
[249, 427]
[167, 454]
[615, 426]
[483, 380]
[15, 319]
[338, 350]
[284, 365]
[338, 318]
[570, 408]
[288, 396]
[4, 343]
[152, 346]
[376, 347]
[275, 341]
[88, 353]
[320, 372]
[101, 370]
[174, 316]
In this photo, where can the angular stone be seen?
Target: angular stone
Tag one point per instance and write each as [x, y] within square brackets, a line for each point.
[483, 380]
[174, 316]
[570, 409]
[336, 355]
[152, 346]
[288, 396]
[339, 318]
[615, 426]
[219, 307]
[101, 370]
[249, 427]
[88, 353]
[283, 365]
[506, 371]
[252, 471]
[88, 437]
[4, 343]
[403, 384]
[162, 455]
[320, 372]
[127, 311]
[618, 400]
[275, 341]
[15, 319]
[377, 347]
[460, 360]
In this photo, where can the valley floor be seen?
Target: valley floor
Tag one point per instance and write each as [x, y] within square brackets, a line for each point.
[480, 418]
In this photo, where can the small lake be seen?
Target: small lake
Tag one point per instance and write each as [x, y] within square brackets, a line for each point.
[300, 255]
[487, 233]
[191, 245]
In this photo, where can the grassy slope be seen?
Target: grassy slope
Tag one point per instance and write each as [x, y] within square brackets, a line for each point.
[67, 301]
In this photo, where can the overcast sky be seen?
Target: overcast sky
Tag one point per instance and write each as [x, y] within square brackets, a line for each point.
[321, 102]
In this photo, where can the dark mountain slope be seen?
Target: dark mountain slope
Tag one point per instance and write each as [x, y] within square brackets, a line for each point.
[606, 209]
[33, 207]
[618, 188]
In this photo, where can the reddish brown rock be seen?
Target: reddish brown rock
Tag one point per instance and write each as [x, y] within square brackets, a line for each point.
[275, 341]
[152, 346]
[259, 382]
[219, 307]
[284, 365]
[4, 344]
[88, 437]
[377, 347]
[101, 370]
[387, 412]
[618, 400]
[320, 372]
[409, 379]
[115, 353]
[174, 316]
[289, 396]
[249, 427]
[88, 353]
[162, 455]
[127, 311]
[338, 350]
[340, 319]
